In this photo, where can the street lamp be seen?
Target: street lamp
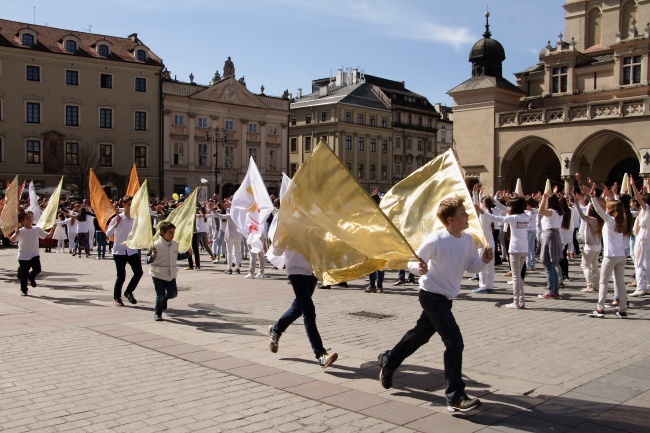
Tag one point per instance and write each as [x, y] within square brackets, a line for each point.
[212, 136]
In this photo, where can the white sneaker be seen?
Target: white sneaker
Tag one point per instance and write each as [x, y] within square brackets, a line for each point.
[216, 261]
[259, 275]
[637, 293]
[249, 276]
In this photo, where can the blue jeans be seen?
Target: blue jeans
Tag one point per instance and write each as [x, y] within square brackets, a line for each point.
[100, 238]
[377, 277]
[531, 249]
[436, 317]
[303, 287]
[551, 277]
[401, 275]
[164, 290]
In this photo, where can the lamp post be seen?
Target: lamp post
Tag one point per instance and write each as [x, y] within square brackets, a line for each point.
[212, 136]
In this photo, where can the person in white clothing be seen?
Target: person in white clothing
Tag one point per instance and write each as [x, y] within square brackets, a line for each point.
[233, 244]
[29, 260]
[486, 275]
[642, 243]
[59, 234]
[163, 269]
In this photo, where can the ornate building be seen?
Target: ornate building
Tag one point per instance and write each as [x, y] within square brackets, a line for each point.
[210, 132]
[71, 99]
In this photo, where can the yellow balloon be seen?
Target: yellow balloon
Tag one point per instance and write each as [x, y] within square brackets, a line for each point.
[175, 196]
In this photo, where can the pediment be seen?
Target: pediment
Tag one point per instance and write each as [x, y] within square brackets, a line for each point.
[230, 91]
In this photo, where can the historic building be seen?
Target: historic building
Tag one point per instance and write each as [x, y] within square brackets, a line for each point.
[70, 100]
[445, 137]
[211, 131]
[583, 107]
[379, 129]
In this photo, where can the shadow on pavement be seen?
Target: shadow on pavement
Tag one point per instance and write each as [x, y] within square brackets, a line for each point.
[221, 319]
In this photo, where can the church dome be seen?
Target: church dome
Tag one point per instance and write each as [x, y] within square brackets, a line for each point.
[487, 49]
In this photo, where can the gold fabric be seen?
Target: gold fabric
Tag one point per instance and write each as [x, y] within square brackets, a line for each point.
[183, 218]
[99, 201]
[413, 203]
[327, 217]
[141, 236]
[48, 217]
[9, 216]
[134, 183]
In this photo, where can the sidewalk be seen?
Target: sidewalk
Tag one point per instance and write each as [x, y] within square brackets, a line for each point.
[71, 361]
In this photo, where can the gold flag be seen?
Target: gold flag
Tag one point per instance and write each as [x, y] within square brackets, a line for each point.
[183, 218]
[328, 218]
[134, 183]
[140, 237]
[9, 216]
[99, 201]
[48, 217]
[413, 203]
[547, 187]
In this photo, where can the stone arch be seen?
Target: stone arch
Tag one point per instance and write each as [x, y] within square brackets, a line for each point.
[594, 27]
[532, 159]
[605, 156]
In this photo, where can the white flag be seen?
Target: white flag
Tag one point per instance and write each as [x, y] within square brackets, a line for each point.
[277, 260]
[251, 206]
[33, 203]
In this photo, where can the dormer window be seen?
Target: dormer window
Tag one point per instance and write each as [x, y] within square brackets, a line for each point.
[103, 50]
[141, 55]
[71, 46]
[28, 40]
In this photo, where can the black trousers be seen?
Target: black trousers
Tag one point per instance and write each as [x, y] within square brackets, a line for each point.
[120, 266]
[28, 270]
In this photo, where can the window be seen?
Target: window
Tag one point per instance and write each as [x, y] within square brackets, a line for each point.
[33, 152]
[179, 153]
[409, 143]
[103, 50]
[106, 118]
[307, 144]
[594, 27]
[348, 117]
[33, 73]
[323, 116]
[105, 81]
[420, 160]
[384, 122]
[70, 46]
[140, 120]
[252, 127]
[294, 145]
[33, 112]
[28, 40]
[308, 119]
[360, 119]
[140, 156]
[398, 142]
[408, 119]
[273, 129]
[420, 144]
[71, 153]
[372, 171]
[203, 122]
[419, 120]
[362, 144]
[293, 120]
[632, 70]
[429, 145]
[293, 168]
[348, 142]
[409, 165]
[398, 167]
[2, 151]
[252, 153]
[1, 111]
[360, 173]
[373, 145]
[443, 136]
[229, 156]
[202, 155]
[106, 155]
[229, 125]
[71, 115]
[140, 84]
[179, 119]
[141, 55]
[273, 159]
[349, 166]
[559, 79]
[71, 78]
[373, 121]
[384, 172]
[323, 138]
[384, 146]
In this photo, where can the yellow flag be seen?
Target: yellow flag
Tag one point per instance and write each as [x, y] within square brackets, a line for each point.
[413, 203]
[328, 218]
[141, 236]
[183, 218]
[99, 201]
[48, 217]
[9, 216]
[134, 183]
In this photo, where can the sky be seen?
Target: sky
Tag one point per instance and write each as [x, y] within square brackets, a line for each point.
[285, 44]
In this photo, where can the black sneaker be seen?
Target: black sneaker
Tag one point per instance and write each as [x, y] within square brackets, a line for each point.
[343, 284]
[463, 405]
[621, 314]
[385, 375]
[23, 292]
[238, 271]
[32, 282]
[157, 317]
[129, 296]
[118, 302]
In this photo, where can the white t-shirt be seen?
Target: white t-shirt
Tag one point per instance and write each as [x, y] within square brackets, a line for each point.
[519, 225]
[28, 242]
[614, 243]
[552, 222]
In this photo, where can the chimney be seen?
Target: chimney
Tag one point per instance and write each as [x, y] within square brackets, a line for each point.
[299, 93]
[339, 77]
[322, 91]
[355, 75]
[133, 37]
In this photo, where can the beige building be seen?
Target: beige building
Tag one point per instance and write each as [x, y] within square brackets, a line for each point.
[445, 136]
[379, 129]
[68, 99]
[584, 107]
[210, 132]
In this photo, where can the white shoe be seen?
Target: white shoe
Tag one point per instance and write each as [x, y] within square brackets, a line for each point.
[249, 276]
[260, 275]
[637, 293]
[216, 261]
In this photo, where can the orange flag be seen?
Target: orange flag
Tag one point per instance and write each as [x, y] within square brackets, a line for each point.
[134, 182]
[99, 201]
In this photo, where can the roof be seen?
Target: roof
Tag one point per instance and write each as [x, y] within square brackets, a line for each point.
[486, 82]
[391, 87]
[50, 40]
[360, 95]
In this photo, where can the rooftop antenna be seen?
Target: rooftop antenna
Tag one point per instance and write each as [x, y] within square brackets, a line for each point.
[34, 15]
[89, 29]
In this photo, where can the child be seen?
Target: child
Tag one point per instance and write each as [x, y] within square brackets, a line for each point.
[444, 256]
[29, 260]
[163, 270]
[59, 234]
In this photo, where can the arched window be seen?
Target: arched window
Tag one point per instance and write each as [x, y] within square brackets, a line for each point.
[28, 40]
[103, 50]
[628, 14]
[594, 27]
[141, 55]
[70, 46]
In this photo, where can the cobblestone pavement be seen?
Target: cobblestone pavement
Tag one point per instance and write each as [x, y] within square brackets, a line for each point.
[70, 361]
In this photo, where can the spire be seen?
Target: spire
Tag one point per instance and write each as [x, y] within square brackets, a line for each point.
[487, 33]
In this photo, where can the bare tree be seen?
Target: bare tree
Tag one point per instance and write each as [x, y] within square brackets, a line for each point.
[77, 168]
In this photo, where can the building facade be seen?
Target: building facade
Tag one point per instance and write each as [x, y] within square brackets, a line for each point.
[210, 132]
[380, 130]
[584, 107]
[445, 136]
[70, 99]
